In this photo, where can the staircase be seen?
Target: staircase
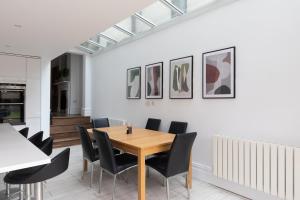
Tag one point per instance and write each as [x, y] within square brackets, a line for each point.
[64, 131]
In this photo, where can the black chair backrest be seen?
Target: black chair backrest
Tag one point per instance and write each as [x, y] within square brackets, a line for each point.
[179, 155]
[58, 165]
[178, 127]
[47, 146]
[24, 132]
[153, 124]
[106, 154]
[100, 123]
[87, 145]
[37, 139]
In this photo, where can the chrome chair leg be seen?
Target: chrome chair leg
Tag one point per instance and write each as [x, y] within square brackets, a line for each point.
[188, 187]
[21, 194]
[27, 189]
[92, 175]
[164, 182]
[148, 172]
[114, 185]
[167, 188]
[82, 175]
[38, 190]
[100, 179]
[7, 189]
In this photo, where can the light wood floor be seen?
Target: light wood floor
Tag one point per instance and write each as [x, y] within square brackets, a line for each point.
[70, 186]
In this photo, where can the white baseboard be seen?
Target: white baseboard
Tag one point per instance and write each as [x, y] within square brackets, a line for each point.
[204, 173]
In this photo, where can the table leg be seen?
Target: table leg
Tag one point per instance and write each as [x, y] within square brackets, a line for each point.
[85, 165]
[190, 175]
[141, 176]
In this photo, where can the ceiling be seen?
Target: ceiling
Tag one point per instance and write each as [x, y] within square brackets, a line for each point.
[48, 28]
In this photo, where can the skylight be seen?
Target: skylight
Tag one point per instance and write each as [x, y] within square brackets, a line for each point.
[160, 12]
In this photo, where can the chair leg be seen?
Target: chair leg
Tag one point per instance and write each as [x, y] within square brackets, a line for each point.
[148, 172]
[167, 188]
[7, 189]
[188, 188]
[114, 189]
[164, 182]
[82, 175]
[28, 196]
[38, 190]
[21, 194]
[92, 175]
[100, 179]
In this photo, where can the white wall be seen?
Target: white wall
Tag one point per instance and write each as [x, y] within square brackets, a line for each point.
[87, 86]
[266, 35]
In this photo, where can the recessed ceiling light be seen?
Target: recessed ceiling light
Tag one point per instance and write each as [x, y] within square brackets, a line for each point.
[18, 25]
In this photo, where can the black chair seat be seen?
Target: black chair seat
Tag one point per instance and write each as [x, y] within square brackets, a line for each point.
[58, 165]
[159, 163]
[17, 177]
[175, 161]
[125, 161]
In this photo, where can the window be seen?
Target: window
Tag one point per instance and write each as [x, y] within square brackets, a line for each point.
[160, 12]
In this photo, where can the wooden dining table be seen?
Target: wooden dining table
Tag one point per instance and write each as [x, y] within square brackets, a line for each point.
[142, 143]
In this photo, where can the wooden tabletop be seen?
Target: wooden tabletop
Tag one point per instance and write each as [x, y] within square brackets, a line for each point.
[139, 138]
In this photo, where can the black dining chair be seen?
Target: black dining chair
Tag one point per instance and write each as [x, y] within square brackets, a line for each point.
[176, 161]
[37, 138]
[37, 175]
[100, 122]
[46, 147]
[153, 124]
[178, 127]
[89, 152]
[110, 163]
[24, 132]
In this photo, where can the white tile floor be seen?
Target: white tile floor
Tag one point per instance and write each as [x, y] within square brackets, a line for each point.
[70, 186]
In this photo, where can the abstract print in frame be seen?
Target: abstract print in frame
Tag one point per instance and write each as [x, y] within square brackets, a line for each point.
[154, 81]
[181, 78]
[134, 83]
[219, 74]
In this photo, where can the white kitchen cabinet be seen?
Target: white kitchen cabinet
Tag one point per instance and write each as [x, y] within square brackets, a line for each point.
[33, 95]
[12, 68]
[34, 125]
[33, 98]
[33, 68]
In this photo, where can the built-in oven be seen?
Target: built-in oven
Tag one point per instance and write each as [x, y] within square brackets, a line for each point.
[12, 103]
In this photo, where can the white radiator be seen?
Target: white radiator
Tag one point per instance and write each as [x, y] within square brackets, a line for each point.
[116, 122]
[271, 168]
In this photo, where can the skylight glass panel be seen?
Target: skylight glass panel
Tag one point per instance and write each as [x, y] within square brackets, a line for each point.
[181, 4]
[103, 42]
[115, 34]
[90, 46]
[158, 13]
[134, 25]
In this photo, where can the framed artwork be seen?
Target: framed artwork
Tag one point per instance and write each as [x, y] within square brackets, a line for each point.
[218, 71]
[154, 81]
[181, 78]
[134, 83]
